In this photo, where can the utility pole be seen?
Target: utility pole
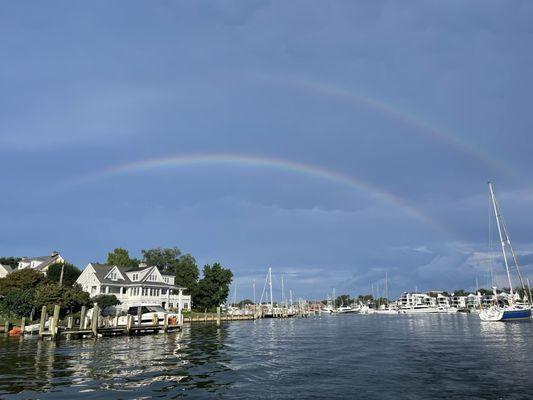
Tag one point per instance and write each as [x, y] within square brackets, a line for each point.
[62, 272]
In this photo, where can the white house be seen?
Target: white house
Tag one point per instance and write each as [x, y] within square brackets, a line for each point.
[5, 270]
[143, 285]
[40, 263]
[414, 299]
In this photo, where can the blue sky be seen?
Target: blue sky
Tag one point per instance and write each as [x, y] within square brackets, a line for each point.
[417, 104]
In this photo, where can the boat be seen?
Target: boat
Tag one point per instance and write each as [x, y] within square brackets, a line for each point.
[506, 308]
[365, 309]
[417, 309]
[447, 310]
[346, 309]
[149, 313]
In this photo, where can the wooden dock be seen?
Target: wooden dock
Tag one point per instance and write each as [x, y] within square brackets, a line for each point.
[96, 327]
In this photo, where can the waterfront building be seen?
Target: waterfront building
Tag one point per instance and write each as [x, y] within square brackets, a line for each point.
[474, 300]
[40, 263]
[142, 285]
[408, 300]
[5, 270]
[458, 302]
[442, 300]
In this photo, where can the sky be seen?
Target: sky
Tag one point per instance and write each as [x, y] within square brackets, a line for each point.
[335, 142]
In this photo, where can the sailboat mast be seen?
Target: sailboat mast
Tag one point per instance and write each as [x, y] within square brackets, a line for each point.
[386, 287]
[270, 282]
[502, 241]
[253, 287]
[290, 296]
[282, 291]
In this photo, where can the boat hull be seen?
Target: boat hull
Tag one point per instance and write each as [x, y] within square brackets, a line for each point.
[505, 314]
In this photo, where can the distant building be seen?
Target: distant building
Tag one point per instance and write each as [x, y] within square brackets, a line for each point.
[40, 263]
[414, 299]
[5, 270]
[134, 286]
[459, 301]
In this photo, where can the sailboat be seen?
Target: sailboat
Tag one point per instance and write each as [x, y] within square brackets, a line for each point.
[509, 309]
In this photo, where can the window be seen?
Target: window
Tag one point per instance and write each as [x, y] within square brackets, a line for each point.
[186, 306]
[152, 277]
[135, 277]
[113, 276]
[166, 279]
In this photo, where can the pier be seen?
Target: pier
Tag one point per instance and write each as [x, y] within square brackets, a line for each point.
[96, 326]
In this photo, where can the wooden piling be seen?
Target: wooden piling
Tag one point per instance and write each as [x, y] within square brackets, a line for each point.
[116, 318]
[6, 327]
[165, 323]
[82, 317]
[70, 322]
[139, 316]
[42, 322]
[22, 325]
[129, 321]
[94, 322]
[218, 316]
[54, 326]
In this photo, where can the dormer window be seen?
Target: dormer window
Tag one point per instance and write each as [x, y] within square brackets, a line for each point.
[135, 277]
[113, 276]
[152, 277]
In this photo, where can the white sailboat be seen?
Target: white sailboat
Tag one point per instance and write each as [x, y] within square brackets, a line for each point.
[508, 309]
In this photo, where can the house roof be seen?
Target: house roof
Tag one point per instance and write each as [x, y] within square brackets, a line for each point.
[44, 260]
[7, 268]
[102, 270]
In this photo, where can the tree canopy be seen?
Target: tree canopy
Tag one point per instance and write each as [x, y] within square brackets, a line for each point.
[13, 262]
[26, 291]
[213, 288]
[166, 259]
[70, 273]
[106, 300]
[121, 258]
[21, 279]
[187, 273]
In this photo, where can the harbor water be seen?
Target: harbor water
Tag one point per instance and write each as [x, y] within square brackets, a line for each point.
[345, 356]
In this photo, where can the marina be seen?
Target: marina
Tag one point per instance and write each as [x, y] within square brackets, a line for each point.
[427, 355]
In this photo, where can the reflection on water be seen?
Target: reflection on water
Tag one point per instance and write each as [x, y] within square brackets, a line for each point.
[372, 356]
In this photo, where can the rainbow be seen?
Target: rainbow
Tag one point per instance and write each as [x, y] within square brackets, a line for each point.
[419, 126]
[240, 160]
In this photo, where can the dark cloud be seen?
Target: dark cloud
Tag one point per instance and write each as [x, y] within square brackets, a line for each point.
[424, 100]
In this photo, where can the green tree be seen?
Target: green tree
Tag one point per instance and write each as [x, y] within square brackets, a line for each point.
[13, 262]
[70, 273]
[106, 300]
[460, 292]
[342, 300]
[121, 258]
[187, 273]
[70, 299]
[213, 288]
[21, 279]
[166, 259]
[244, 302]
[18, 303]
